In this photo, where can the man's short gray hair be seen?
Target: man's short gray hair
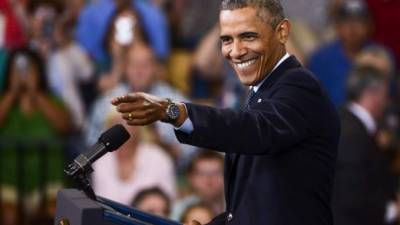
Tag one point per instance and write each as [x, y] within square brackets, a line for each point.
[274, 7]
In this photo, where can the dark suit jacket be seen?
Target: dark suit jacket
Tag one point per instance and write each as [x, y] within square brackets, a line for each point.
[281, 152]
[363, 183]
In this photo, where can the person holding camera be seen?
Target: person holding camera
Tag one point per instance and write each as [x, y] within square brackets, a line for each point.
[32, 122]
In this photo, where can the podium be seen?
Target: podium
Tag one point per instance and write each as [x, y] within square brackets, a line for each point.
[83, 207]
[75, 208]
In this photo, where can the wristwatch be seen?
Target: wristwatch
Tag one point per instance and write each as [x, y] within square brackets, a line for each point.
[172, 111]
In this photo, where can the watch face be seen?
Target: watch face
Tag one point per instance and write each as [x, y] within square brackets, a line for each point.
[173, 112]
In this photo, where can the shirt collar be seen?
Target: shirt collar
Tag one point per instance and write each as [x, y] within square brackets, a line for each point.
[255, 88]
[364, 116]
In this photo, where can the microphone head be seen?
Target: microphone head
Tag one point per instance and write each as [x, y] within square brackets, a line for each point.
[114, 137]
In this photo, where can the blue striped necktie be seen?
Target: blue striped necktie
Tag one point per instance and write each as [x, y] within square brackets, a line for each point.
[250, 97]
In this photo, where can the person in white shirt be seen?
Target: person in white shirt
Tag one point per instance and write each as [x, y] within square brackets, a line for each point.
[136, 165]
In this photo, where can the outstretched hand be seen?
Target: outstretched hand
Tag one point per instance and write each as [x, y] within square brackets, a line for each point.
[140, 109]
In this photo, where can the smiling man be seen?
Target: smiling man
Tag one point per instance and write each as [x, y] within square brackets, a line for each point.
[281, 147]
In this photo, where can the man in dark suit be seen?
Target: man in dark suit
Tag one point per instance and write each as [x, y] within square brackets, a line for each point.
[363, 182]
[281, 147]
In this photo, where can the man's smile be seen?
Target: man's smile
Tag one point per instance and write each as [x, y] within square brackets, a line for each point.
[245, 64]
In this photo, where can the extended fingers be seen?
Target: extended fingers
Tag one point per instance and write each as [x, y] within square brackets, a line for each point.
[129, 98]
[141, 122]
[133, 106]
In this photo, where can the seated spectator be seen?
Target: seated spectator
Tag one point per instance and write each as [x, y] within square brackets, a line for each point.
[32, 121]
[205, 176]
[333, 61]
[92, 27]
[136, 165]
[141, 76]
[154, 201]
[197, 212]
[364, 184]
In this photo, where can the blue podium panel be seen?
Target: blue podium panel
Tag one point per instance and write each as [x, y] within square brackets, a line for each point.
[75, 208]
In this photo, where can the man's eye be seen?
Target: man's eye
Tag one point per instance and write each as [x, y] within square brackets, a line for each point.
[249, 38]
[225, 41]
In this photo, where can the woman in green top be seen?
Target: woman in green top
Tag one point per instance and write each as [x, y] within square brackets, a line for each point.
[32, 122]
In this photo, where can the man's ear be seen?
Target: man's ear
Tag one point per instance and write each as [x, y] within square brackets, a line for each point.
[283, 31]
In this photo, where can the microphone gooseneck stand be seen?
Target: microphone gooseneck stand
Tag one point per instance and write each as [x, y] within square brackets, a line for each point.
[79, 171]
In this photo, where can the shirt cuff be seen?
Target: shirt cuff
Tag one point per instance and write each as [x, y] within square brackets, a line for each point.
[187, 126]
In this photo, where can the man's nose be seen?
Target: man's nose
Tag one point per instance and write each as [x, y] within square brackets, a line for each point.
[238, 50]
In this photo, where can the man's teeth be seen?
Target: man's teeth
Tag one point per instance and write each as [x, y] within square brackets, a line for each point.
[244, 65]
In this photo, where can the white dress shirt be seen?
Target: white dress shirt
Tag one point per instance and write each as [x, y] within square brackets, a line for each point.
[364, 116]
[187, 126]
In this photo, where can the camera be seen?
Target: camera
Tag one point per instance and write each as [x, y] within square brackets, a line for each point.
[124, 30]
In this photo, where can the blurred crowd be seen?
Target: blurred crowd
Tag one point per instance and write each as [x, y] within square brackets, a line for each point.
[61, 62]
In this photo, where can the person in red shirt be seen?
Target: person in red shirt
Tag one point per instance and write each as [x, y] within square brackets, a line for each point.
[14, 36]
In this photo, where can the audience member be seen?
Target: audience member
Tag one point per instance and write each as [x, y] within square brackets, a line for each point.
[364, 184]
[68, 67]
[93, 20]
[136, 165]
[205, 176]
[197, 212]
[141, 76]
[124, 30]
[378, 57]
[154, 201]
[32, 122]
[333, 61]
[41, 16]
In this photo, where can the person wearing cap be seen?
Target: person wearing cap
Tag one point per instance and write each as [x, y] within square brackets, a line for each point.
[332, 62]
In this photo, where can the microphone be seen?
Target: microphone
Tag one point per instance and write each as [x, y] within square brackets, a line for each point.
[109, 141]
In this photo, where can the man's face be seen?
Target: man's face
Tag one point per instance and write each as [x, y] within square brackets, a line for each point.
[154, 204]
[380, 98]
[141, 68]
[250, 43]
[207, 179]
[353, 33]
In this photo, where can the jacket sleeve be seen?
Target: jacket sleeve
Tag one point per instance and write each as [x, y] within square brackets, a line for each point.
[267, 128]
